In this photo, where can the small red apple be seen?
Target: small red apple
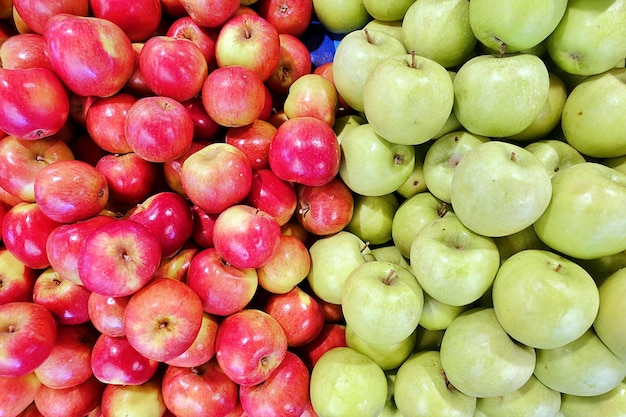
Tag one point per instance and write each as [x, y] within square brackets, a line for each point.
[332, 335]
[66, 300]
[210, 13]
[295, 61]
[203, 224]
[325, 209]
[139, 19]
[287, 16]
[17, 393]
[76, 401]
[204, 128]
[204, 38]
[105, 121]
[272, 195]
[16, 279]
[175, 267]
[172, 170]
[107, 313]
[24, 50]
[129, 176]
[253, 140]
[203, 347]
[36, 13]
[288, 267]
[145, 400]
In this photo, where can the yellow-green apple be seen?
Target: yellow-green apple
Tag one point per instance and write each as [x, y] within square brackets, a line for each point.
[331, 336]
[415, 83]
[583, 367]
[592, 118]
[124, 400]
[372, 217]
[129, 176]
[312, 95]
[555, 154]
[313, 159]
[74, 401]
[210, 13]
[573, 45]
[284, 392]
[382, 301]
[286, 268]
[254, 141]
[480, 359]
[92, 56]
[17, 393]
[28, 336]
[342, 16]
[356, 56]
[115, 362]
[437, 315]
[517, 242]
[606, 404]
[345, 382]
[272, 195]
[203, 37]
[202, 350]
[106, 313]
[294, 62]
[415, 183]
[371, 165]
[512, 179]
[118, 258]
[223, 288]
[439, 30]
[581, 193]
[388, 11]
[605, 324]
[105, 119]
[66, 300]
[392, 27]
[428, 339]
[24, 50]
[36, 13]
[48, 103]
[333, 258]
[200, 390]
[18, 280]
[324, 209]
[250, 345]
[505, 113]
[288, 17]
[389, 253]
[443, 156]
[139, 21]
[422, 388]
[388, 356]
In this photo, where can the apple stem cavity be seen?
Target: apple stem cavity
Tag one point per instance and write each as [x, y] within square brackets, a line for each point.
[513, 157]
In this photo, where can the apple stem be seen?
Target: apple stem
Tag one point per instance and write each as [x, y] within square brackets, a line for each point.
[513, 157]
[367, 35]
[390, 278]
[304, 209]
[502, 47]
[12, 328]
[247, 33]
[442, 210]
[367, 245]
[558, 267]
[413, 62]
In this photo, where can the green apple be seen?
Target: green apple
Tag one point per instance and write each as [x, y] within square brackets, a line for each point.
[452, 124]
[372, 217]
[499, 188]
[428, 339]
[585, 218]
[437, 315]
[413, 214]
[371, 165]
[382, 302]
[609, 404]
[346, 383]
[389, 10]
[356, 56]
[333, 258]
[517, 242]
[582, 367]
[608, 324]
[442, 158]
[532, 399]
[480, 359]
[415, 183]
[603, 267]
[618, 163]
[439, 30]
[514, 25]
[589, 39]
[593, 116]
[386, 355]
[341, 16]
[390, 253]
[555, 154]
[544, 300]
[421, 389]
[390, 409]
[393, 27]
[344, 124]
[500, 97]
[453, 264]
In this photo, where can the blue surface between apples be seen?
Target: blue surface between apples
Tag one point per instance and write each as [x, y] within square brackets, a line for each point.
[320, 43]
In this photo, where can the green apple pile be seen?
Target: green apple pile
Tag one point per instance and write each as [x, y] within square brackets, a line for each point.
[482, 272]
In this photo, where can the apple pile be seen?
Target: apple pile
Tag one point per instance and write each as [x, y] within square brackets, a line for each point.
[200, 218]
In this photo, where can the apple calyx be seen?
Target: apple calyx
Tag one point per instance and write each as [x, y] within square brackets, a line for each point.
[391, 277]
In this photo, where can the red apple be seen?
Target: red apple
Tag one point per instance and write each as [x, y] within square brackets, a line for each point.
[332, 312]
[312, 159]
[268, 107]
[272, 195]
[295, 61]
[115, 362]
[278, 117]
[136, 84]
[250, 345]
[36, 13]
[253, 140]
[145, 400]
[16, 279]
[66, 300]
[24, 50]
[105, 121]
[332, 335]
[204, 128]
[203, 347]
[25, 229]
[210, 13]
[33, 103]
[295, 229]
[138, 19]
[233, 96]
[173, 8]
[162, 320]
[287, 16]
[203, 390]
[288, 267]
[325, 209]
[69, 363]
[216, 177]
[8, 199]
[245, 236]
[70, 191]
[106, 313]
[176, 266]
[326, 70]
[129, 176]
[76, 401]
[118, 258]
[250, 41]
[28, 336]
[204, 38]
[285, 392]
[172, 170]
[312, 95]
[159, 129]
[17, 393]
[18, 22]
[79, 105]
[223, 288]
[168, 216]
[203, 224]
[92, 56]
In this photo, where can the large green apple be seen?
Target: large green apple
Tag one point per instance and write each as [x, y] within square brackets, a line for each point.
[608, 324]
[356, 56]
[593, 116]
[341, 16]
[589, 39]
[439, 30]
[437, 315]
[500, 97]
[389, 10]
[582, 367]
[415, 183]
[555, 154]
[346, 383]
[393, 27]
[386, 355]
[390, 253]
[421, 389]
[586, 217]
[382, 302]
[372, 217]
[499, 188]
[544, 300]
[346, 123]
[452, 264]
[514, 25]
[371, 165]
[408, 98]
[609, 404]
[480, 359]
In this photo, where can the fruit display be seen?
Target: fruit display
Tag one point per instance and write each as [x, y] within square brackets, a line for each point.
[312, 208]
